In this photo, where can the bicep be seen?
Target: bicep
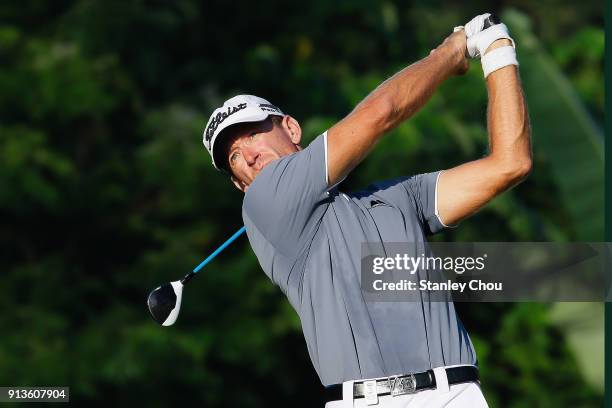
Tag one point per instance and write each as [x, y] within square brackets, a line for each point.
[465, 189]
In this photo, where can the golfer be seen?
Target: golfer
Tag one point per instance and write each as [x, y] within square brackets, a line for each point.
[307, 234]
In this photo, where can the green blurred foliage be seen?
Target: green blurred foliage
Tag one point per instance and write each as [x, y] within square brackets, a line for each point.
[106, 190]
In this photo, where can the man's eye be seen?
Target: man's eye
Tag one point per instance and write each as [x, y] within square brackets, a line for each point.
[233, 157]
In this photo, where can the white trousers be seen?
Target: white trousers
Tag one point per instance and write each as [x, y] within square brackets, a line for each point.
[464, 395]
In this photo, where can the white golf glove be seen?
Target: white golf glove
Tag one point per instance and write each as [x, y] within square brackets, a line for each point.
[473, 27]
[478, 40]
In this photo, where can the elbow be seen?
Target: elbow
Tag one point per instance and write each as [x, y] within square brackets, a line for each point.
[514, 163]
[510, 169]
[523, 161]
[515, 171]
[522, 168]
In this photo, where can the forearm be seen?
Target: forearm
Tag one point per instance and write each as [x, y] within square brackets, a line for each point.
[392, 102]
[406, 92]
[508, 123]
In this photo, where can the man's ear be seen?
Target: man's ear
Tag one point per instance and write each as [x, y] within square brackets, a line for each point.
[240, 185]
[293, 128]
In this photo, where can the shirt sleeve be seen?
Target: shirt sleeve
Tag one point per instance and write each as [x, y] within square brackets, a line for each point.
[416, 193]
[287, 199]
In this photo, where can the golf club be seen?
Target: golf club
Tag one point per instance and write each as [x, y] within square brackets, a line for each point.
[489, 21]
[165, 301]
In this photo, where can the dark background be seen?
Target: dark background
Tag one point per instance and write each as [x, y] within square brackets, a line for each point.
[106, 190]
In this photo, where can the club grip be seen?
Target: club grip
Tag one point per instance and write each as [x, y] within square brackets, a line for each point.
[491, 20]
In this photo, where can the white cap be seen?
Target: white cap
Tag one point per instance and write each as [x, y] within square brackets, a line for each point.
[239, 109]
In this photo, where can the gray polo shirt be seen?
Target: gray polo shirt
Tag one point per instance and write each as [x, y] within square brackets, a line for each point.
[308, 241]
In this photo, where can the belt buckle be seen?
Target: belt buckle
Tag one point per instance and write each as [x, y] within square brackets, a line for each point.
[402, 385]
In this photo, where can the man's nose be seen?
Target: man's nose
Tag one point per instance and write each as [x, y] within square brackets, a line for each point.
[250, 154]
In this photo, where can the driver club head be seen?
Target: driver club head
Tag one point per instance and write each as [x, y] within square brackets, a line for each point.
[165, 302]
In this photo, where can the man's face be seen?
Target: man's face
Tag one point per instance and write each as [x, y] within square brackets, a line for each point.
[249, 147]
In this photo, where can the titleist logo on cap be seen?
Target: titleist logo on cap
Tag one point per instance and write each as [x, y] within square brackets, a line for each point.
[220, 117]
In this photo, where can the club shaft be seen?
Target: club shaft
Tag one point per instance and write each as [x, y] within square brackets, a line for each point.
[491, 20]
[221, 248]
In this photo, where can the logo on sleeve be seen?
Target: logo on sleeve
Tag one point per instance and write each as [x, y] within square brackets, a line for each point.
[219, 118]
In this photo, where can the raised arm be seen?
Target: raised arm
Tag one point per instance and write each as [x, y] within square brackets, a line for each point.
[464, 189]
[392, 102]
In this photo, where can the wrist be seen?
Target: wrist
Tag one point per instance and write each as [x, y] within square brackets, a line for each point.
[449, 58]
[502, 42]
[502, 56]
